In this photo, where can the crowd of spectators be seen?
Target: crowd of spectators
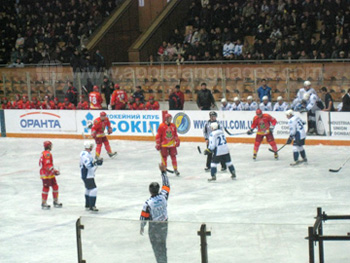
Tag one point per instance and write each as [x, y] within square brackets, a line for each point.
[278, 29]
[36, 30]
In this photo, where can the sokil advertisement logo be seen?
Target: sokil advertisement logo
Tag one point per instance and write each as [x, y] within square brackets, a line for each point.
[182, 122]
[40, 121]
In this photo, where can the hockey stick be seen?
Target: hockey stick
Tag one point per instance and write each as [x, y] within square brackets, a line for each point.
[337, 170]
[170, 171]
[234, 134]
[278, 149]
[199, 150]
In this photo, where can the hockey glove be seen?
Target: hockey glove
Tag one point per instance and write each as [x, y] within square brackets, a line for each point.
[56, 172]
[290, 139]
[207, 152]
[98, 162]
[271, 129]
[89, 124]
[157, 147]
[93, 134]
[177, 144]
[250, 132]
[110, 130]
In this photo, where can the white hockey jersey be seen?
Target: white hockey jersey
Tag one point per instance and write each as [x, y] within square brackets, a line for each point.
[240, 106]
[218, 143]
[265, 107]
[302, 91]
[252, 106]
[311, 104]
[87, 167]
[296, 125]
[225, 108]
[283, 107]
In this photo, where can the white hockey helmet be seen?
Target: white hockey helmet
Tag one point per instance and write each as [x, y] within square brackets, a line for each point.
[306, 96]
[250, 98]
[307, 83]
[224, 100]
[214, 126]
[88, 145]
[236, 99]
[289, 113]
[279, 98]
[265, 98]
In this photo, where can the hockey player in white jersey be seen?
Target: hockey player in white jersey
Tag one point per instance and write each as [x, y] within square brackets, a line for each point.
[280, 105]
[265, 105]
[88, 167]
[310, 101]
[306, 89]
[296, 133]
[250, 104]
[156, 212]
[225, 106]
[237, 104]
[218, 147]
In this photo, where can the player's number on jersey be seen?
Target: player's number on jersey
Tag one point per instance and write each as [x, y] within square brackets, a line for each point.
[93, 100]
[222, 140]
[300, 125]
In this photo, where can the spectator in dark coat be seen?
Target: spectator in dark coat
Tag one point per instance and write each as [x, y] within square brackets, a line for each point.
[205, 99]
[174, 100]
[264, 90]
[107, 89]
[328, 100]
[138, 94]
[181, 96]
[346, 101]
[72, 94]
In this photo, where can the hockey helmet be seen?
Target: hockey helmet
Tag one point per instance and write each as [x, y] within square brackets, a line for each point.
[289, 113]
[250, 98]
[116, 86]
[224, 100]
[236, 99]
[307, 83]
[167, 115]
[306, 96]
[151, 97]
[265, 98]
[66, 100]
[95, 88]
[154, 188]
[34, 98]
[103, 114]
[88, 145]
[213, 113]
[279, 98]
[214, 126]
[258, 112]
[47, 144]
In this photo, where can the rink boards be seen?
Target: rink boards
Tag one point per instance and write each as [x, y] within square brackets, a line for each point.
[333, 128]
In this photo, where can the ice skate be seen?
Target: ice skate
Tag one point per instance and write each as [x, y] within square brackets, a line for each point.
[233, 175]
[111, 155]
[276, 156]
[177, 173]
[57, 204]
[213, 178]
[223, 169]
[296, 163]
[87, 208]
[207, 169]
[254, 156]
[93, 209]
[45, 206]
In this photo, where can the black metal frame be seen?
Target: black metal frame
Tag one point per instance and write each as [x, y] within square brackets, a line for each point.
[315, 234]
[78, 228]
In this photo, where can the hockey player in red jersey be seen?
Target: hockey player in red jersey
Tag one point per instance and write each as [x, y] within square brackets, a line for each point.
[67, 105]
[152, 104]
[95, 99]
[47, 104]
[138, 105]
[167, 141]
[35, 104]
[97, 132]
[265, 124]
[129, 105]
[83, 104]
[26, 105]
[17, 104]
[48, 176]
[119, 98]
[6, 104]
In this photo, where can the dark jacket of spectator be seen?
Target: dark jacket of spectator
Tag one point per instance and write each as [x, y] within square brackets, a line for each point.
[264, 90]
[181, 96]
[138, 94]
[205, 98]
[346, 101]
[72, 94]
[107, 89]
[174, 102]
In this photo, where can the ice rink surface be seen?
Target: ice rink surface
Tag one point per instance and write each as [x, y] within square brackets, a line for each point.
[268, 195]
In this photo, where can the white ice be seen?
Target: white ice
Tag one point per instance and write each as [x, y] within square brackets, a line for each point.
[260, 217]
